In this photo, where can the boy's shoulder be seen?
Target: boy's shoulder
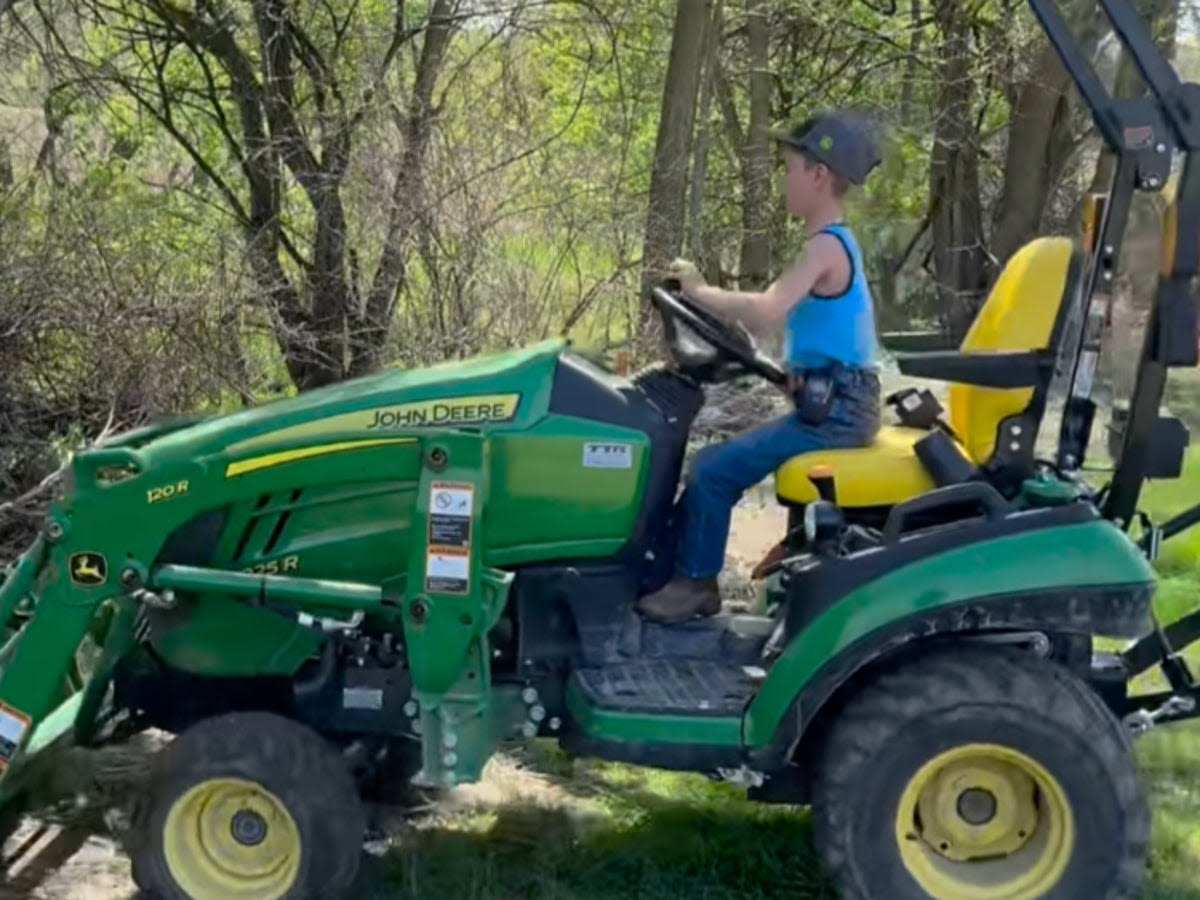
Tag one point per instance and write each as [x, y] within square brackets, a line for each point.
[842, 232]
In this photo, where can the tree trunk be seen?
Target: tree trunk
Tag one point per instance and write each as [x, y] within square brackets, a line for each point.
[668, 178]
[1038, 147]
[959, 259]
[753, 269]
[910, 76]
[696, 246]
[374, 323]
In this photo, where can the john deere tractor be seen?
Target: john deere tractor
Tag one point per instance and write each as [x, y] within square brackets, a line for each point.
[381, 581]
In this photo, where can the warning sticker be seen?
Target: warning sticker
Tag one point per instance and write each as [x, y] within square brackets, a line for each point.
[449, 531]
[607, 456]
[450, 506]
[448, 560]
[13, 725]
[451, 498]
[447, 571]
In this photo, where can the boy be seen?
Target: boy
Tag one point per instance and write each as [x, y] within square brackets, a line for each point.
[825, 307]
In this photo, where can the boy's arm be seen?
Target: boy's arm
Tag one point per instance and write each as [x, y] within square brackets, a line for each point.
[760, 310]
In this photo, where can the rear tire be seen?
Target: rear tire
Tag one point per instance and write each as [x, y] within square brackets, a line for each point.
[248, 806]
[980, 752]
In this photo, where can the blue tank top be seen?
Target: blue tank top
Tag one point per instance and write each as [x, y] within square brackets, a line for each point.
[825, 329]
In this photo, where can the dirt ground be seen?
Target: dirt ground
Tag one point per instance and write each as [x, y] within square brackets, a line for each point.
[62, 864]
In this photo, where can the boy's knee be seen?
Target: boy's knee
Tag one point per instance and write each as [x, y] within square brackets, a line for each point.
[711, 469]
[702, 465]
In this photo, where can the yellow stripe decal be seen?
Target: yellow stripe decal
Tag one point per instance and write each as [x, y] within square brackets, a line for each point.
[256, 463]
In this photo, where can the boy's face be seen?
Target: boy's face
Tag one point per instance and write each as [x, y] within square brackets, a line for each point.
[804, 182]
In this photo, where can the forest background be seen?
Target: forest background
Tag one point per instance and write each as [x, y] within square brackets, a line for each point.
[206, 204]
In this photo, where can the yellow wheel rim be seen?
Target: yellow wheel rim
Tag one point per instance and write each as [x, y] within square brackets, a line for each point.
[230, 839]
[985, 822]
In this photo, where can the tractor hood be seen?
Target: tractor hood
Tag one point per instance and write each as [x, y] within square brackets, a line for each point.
[507, 390]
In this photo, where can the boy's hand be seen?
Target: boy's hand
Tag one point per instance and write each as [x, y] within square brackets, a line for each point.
[685, 272]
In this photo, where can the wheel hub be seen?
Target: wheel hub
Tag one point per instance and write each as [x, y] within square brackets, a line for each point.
[985, 821]
[230, 838]
[977, 806]
[248, 827]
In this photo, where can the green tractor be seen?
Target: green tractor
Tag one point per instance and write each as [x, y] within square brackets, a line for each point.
[380, 581]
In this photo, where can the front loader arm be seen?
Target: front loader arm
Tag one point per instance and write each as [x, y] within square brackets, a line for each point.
[101, 559]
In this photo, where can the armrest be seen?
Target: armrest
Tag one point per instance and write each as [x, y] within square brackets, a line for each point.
[916, 341]
[981, 369]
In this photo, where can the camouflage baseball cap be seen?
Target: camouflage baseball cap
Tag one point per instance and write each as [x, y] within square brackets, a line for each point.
[839, 140]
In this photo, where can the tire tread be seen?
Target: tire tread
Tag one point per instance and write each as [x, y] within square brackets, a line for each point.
[960, 676]
[290, 759]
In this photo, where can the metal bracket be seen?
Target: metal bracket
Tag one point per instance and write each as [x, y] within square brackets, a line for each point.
[743, 776]
[1141, 721]
[1145, 136]
[164, 600]
[321, 623]
[1155, 544]
[1038, 641]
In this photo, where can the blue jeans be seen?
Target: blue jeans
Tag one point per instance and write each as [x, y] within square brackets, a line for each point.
[721, 473]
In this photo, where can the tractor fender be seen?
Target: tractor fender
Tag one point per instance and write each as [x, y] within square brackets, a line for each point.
[1082, 578]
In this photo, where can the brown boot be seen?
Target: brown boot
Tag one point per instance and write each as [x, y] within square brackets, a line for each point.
[682, 599]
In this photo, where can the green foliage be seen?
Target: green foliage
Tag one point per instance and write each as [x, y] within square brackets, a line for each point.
[532, 205]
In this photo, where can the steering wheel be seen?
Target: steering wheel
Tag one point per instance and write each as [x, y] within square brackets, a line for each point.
[729, 340]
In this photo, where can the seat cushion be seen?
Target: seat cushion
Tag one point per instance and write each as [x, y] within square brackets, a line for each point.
[883, 474]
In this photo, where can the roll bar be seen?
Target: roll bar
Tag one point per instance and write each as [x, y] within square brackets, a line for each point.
[1143, 134]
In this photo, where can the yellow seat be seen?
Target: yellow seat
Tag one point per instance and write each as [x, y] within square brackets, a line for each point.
[883, 474]
[1020, 314]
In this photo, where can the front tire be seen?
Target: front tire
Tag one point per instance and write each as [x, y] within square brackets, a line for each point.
[248, 806]
[980, 772]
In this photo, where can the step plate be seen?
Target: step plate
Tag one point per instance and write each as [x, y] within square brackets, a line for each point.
[668, 687]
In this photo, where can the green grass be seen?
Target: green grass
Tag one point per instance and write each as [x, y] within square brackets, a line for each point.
[1169, 758]
[594, 831]
[604, 831]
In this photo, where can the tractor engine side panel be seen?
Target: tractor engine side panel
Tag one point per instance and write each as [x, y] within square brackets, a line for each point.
[597, 477]
[591, 478]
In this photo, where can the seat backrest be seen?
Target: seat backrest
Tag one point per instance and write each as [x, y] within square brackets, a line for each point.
[1020, 314]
